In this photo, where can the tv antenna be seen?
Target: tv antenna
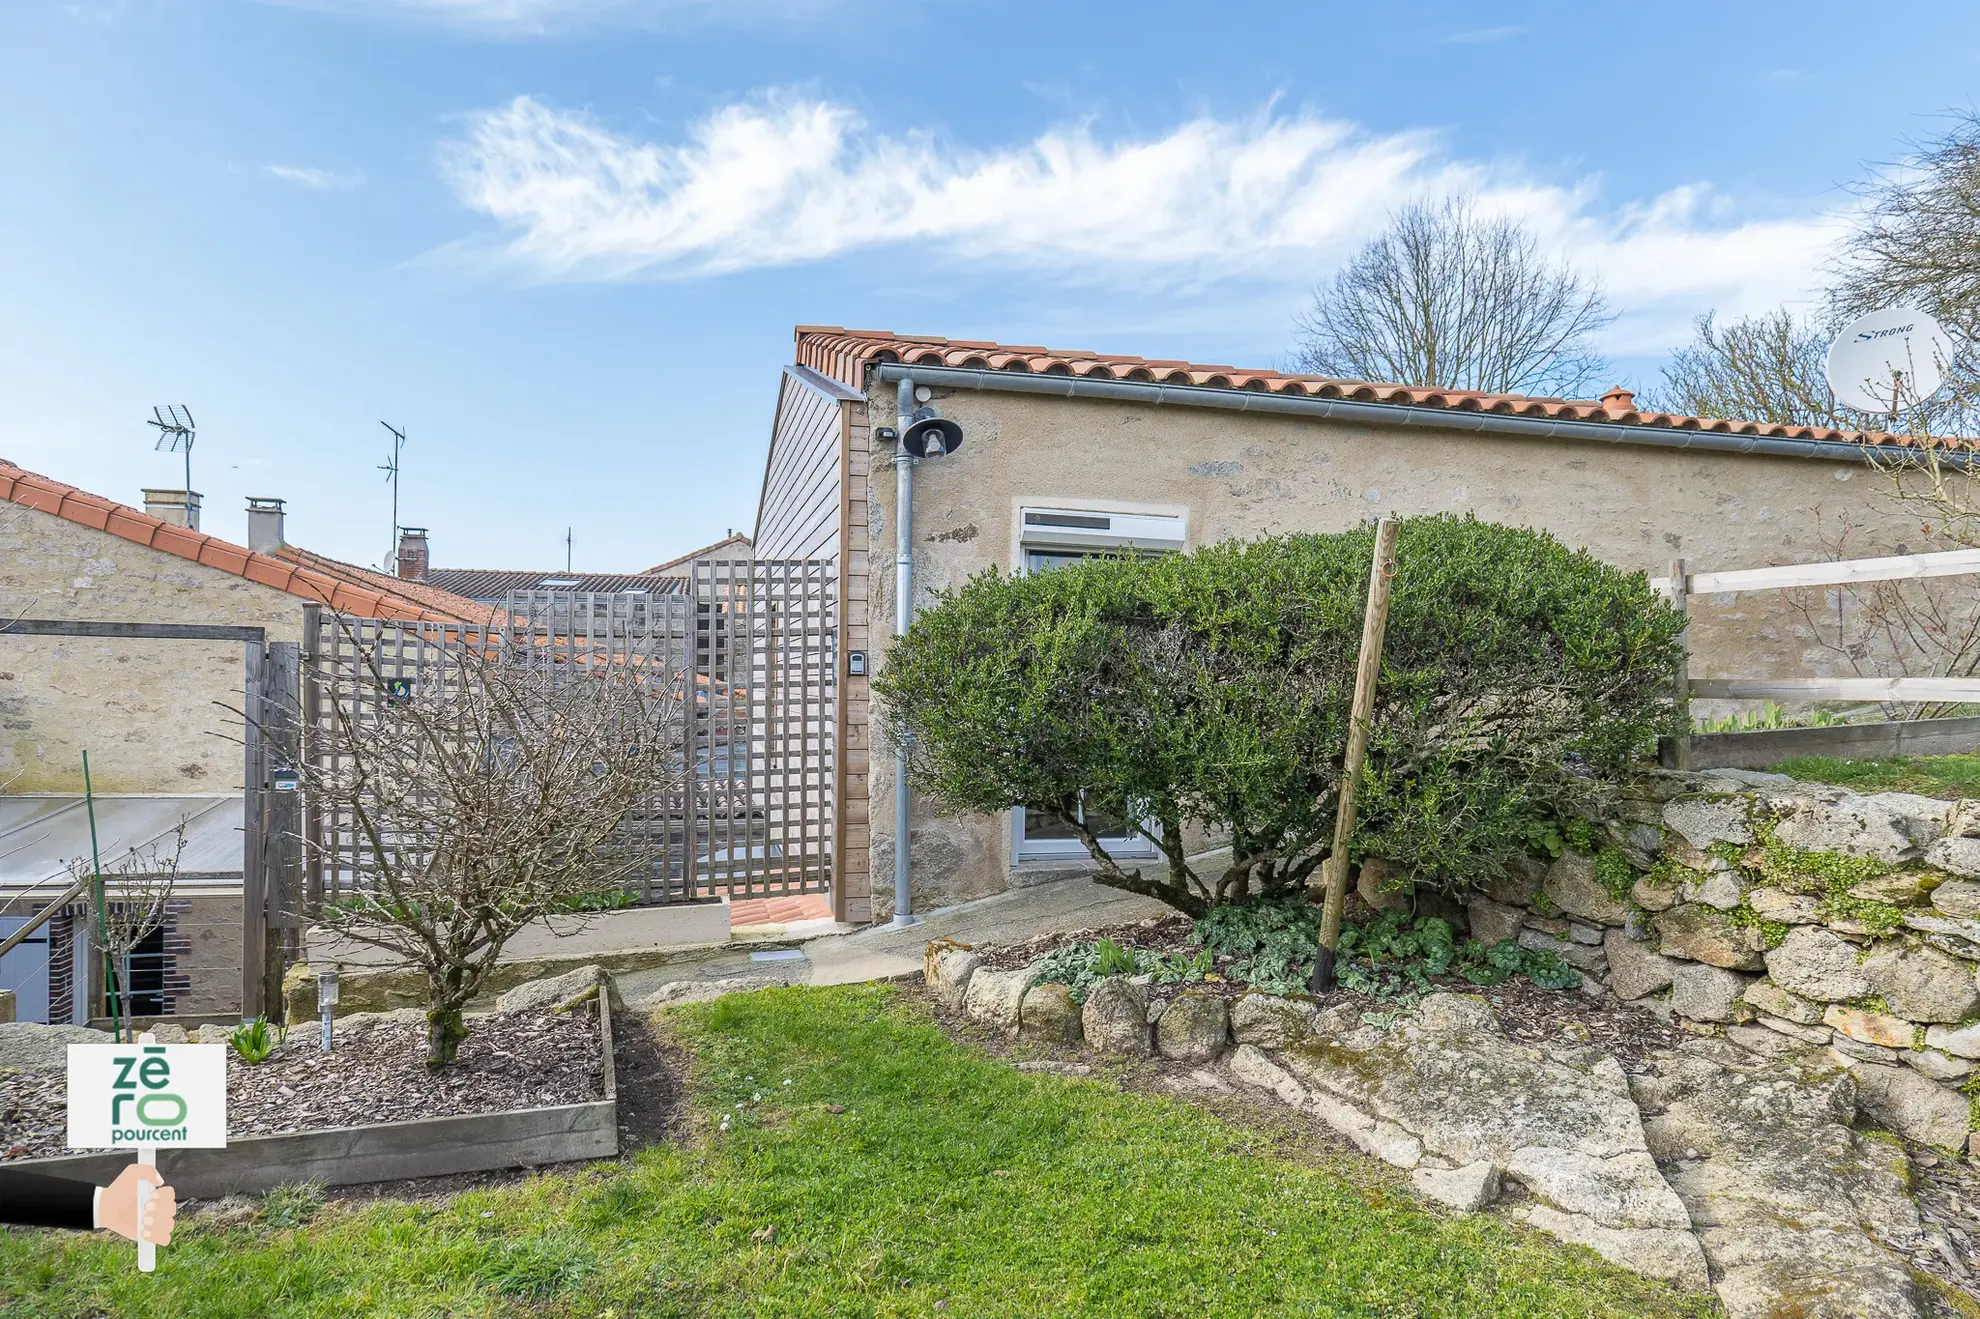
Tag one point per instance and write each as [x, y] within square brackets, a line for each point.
[391, 469]
[176, 435]
[1888, 361]
[567, 550]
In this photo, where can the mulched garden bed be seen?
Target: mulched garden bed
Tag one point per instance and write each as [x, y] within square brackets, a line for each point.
[1526, 1011]
[374, 1073]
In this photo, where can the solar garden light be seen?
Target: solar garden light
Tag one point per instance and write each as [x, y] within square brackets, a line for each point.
[326, 999]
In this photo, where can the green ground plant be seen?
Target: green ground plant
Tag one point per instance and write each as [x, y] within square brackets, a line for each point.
[1829, 876]
[1772, 933]
[254, 1040]
[292, 1206]
[897, 1174]
[1078, 966]
[1614, 873]
[1393, 957]
[1929, 776]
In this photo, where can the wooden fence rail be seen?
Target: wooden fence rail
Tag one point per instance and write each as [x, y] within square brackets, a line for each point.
[1840, 572]
[1680, 586]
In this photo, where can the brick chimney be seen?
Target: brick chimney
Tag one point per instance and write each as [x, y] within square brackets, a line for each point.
[412, 554]
[1619, 399]
[264, 524]
[179, 507]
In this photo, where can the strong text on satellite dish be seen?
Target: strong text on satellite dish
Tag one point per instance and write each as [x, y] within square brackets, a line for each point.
[1888, 361]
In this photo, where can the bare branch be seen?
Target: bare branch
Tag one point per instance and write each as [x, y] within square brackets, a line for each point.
[1454, 300]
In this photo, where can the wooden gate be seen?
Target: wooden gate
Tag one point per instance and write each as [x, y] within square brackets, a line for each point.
[751, 647]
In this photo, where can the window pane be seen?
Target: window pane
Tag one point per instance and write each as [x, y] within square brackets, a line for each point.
[1040, 827]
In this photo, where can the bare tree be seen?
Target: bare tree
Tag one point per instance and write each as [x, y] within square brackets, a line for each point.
[1917, 243]
[1450, 299]
[137, 900]
[491, 795]
[1758, 368]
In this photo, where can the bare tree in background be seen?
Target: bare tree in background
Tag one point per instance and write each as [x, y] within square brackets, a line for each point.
[1450, 299]
[1758, 368]
[137, 900]
[489, 797]
[1917, 244]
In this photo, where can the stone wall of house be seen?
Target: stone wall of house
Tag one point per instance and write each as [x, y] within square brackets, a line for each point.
[203, 945]
[1244, 475]
[1786, 917]
[148, 712]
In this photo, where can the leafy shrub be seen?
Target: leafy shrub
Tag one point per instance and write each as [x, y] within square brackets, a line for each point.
[253, 1040]
[1212, 689]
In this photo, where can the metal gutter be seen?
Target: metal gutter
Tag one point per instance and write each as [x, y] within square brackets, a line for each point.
[1406, 415]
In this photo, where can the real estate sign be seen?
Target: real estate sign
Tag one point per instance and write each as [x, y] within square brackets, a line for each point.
[171, 1096]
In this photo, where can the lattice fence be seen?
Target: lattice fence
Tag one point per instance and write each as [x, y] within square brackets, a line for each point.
[750, 648]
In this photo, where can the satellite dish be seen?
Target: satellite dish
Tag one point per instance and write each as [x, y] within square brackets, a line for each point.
[1888, 361]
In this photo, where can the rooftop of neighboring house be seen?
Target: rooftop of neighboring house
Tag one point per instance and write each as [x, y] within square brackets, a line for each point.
[493, 585]
[313, 577]
[735, 545]
[847, 356]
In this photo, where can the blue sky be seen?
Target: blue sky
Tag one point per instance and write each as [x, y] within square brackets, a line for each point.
[563, 242]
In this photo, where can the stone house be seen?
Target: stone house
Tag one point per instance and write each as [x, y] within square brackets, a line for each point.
[1068, 453]
[150, 712]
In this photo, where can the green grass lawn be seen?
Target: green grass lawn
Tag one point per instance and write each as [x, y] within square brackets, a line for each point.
[903, 1174]
[1930, 776]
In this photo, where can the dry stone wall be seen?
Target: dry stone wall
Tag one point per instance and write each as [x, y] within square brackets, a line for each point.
[1783, 916]
[1821, 946]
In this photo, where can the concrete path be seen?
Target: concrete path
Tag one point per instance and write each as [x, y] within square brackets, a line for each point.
[883, 952]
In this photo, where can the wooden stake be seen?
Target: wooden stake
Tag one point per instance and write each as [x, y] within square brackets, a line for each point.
[1374, 624]
[1680, 598]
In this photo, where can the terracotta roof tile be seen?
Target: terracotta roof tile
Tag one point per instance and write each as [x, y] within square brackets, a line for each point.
[325, 581]
[436, 599]
[845, 355]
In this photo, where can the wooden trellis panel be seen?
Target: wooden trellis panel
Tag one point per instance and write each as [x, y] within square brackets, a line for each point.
[752, 649]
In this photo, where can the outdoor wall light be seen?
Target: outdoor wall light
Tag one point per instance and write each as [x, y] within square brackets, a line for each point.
[326, 1000]
[930, 436]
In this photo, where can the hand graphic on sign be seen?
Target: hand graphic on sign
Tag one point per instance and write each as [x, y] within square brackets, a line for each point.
[139, 1097]
[38, 1200]
[117, 1207]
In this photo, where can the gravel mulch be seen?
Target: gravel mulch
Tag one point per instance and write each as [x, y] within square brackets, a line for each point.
[1526, 1011]
[1947, 1192]
[374, 1073]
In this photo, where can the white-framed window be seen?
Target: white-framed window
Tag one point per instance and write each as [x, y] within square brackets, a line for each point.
[1049, 538]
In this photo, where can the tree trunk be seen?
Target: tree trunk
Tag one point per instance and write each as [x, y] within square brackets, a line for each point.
[445, 1028]
[1180, 898]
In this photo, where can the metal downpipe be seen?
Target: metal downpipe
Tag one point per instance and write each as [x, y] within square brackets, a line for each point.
[903, 616]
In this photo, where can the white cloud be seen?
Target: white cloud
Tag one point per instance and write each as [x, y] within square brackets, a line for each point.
[1276, 197]
[317, 180]
[533, 17]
